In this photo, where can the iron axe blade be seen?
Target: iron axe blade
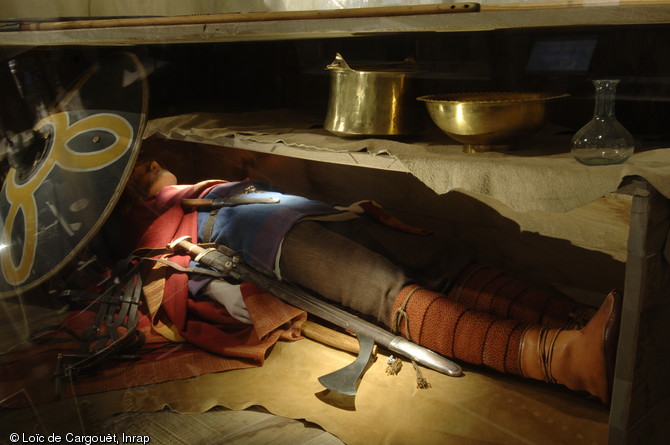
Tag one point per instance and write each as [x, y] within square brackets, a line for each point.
[345, 380]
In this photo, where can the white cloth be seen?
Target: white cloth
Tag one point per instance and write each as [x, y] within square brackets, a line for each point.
[540, 174]
[230, 296]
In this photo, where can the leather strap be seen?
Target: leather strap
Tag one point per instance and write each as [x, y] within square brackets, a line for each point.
[209, 226]
[546, 351]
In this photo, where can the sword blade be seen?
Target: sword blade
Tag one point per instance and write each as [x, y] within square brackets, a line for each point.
[346, 320]
[303, 300]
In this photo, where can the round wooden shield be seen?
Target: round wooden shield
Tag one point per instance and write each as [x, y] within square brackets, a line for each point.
[50, 212]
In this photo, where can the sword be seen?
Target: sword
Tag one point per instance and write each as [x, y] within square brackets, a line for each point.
[229, 263]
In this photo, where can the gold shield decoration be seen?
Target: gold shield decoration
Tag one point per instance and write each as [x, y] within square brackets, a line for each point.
[51, 210]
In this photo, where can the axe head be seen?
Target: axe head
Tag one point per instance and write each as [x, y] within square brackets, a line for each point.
[345, 380]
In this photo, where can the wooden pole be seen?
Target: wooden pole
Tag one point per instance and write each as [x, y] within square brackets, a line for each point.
[253, 17]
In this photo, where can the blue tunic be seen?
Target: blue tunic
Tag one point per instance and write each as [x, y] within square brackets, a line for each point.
[255, 231]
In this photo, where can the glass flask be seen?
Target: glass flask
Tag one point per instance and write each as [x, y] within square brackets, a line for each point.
[603, 140]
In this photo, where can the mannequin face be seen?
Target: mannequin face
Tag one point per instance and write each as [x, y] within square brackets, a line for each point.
[151, 177]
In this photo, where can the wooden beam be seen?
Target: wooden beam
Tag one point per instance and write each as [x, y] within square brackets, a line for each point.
[641, 389]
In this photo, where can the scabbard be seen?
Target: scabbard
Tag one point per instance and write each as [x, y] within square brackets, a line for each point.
[227, 262]
[227, 202]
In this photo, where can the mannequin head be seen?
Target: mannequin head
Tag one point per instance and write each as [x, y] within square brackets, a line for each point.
[146, 180]
[148, 177]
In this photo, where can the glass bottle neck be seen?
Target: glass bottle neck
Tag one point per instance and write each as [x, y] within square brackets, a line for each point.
[605, 98]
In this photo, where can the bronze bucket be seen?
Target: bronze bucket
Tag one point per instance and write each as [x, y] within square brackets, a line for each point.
[373, 101]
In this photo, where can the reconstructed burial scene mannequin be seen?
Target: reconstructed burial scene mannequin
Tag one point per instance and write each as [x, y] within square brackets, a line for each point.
[459, 295]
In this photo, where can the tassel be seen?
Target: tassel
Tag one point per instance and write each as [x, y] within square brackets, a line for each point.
[393, 365]
[421, 382]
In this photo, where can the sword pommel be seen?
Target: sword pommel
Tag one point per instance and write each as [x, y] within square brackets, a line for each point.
[183, 243]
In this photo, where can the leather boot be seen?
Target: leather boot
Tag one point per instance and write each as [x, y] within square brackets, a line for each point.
[580, 359]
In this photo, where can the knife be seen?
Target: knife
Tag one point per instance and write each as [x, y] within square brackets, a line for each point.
[227, 202]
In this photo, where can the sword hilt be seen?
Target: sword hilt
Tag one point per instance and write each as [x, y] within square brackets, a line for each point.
[184, 243]
[221, 262]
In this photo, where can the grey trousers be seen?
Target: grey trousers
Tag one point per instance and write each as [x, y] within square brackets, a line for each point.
[363, 265]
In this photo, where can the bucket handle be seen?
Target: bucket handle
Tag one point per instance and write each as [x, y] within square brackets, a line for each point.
[338, 63]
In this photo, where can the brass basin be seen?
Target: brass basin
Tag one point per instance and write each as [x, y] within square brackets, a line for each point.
[488, 121]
